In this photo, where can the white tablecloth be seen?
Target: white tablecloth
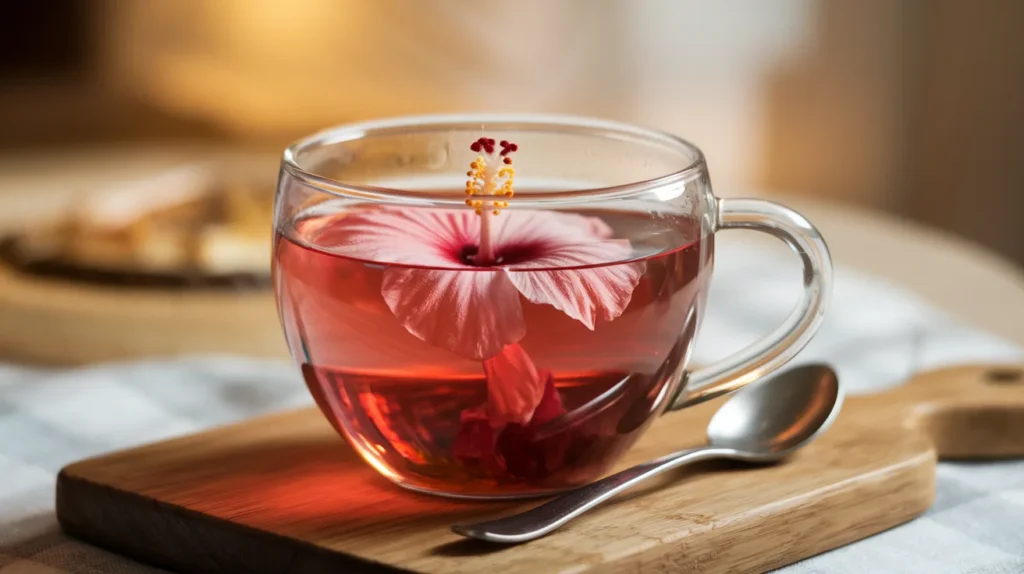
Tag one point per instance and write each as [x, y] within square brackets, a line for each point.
[876, 335]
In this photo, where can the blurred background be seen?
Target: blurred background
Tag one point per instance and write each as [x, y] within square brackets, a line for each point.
[910, 108]
[913, 107]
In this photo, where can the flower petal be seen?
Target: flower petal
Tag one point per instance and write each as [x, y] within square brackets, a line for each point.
[525, 455]
[472, 313]
[515, 227]
[550, 406]
[475, 312]
[474, 444]
[514, 387]
[419, 236]
[585, 294]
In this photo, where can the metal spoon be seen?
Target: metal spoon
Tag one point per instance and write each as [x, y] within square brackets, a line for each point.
[763, 422]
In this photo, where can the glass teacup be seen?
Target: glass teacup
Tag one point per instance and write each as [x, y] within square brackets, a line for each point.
[498, 305]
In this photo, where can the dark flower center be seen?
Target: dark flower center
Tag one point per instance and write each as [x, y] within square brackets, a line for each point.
[506, 255]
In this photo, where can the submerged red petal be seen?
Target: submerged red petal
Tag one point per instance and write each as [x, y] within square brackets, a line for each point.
[474, 445]
[499, 435]
[514, 448]
[550, 406]
[523, 453]
[514, 387]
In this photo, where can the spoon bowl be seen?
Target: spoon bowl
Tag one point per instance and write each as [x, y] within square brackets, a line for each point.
[764, 421]
[776, 415]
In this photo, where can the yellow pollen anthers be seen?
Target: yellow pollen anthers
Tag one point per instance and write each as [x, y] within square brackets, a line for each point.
[490, 174]
[477, 175]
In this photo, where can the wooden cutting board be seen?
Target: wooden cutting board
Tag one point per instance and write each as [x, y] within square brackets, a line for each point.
[284, 493]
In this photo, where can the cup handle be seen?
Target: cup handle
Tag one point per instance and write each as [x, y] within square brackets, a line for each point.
[782, 344]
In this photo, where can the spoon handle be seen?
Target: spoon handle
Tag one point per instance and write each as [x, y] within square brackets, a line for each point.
[547, 517]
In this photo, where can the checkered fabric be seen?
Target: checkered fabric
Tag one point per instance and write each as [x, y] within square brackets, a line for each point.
[875, 334]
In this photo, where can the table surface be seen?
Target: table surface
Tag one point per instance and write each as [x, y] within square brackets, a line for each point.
[965, 280]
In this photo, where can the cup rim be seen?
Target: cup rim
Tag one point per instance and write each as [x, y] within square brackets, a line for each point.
[532, 121]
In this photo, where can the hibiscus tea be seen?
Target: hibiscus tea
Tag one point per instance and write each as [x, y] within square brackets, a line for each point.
[385, 375]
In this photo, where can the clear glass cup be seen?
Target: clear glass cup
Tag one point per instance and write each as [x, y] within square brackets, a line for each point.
[498, 305]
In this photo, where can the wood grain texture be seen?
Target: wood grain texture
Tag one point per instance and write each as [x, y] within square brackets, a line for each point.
[284, 493]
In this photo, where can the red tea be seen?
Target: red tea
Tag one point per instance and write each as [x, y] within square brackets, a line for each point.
[413, 409]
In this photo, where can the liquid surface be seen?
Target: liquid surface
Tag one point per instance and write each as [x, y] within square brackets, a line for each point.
[403, 403]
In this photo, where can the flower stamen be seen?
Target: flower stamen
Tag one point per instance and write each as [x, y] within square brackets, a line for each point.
[489, 175]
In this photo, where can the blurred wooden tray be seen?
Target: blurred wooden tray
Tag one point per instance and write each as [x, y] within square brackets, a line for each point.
[57, 321]
[50, 321]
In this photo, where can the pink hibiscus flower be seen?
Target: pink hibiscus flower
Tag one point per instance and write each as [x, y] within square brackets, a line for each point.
[458, 275]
